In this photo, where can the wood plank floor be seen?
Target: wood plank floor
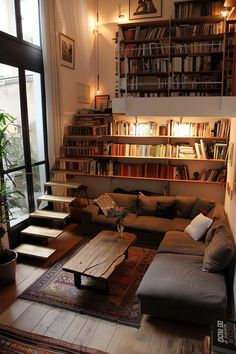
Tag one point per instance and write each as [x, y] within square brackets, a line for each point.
[155, 336]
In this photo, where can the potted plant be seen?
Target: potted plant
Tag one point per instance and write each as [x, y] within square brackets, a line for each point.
[7, 199]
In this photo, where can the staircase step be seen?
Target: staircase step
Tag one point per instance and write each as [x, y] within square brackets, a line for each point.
[49, 214]
[39, 231]
[72, 185]
[34, 251]
[56, 198]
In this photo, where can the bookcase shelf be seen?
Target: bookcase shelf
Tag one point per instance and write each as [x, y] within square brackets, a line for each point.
[193, 56]
[146, 148]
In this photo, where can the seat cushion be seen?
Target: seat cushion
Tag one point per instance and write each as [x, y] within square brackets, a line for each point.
[179, 224]
[180, 242]
[175, 287]
[151, 223]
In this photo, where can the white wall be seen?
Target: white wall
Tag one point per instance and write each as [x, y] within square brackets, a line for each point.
[230, 197]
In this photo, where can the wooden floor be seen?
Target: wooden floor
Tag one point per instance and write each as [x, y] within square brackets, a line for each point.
[155, 336]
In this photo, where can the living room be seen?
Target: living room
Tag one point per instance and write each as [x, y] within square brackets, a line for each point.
[92, 25]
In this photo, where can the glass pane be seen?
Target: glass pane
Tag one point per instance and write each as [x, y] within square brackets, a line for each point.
[17, 197]
[7, 17]
[10, 103]
[39, 178]
[30, 21]
[34, 102]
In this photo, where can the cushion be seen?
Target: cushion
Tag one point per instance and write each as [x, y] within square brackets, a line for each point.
[128, 201]
[218, 253]
[201, 206]
[184, 206]
[105, 203]
[198, 226]
[217, 212]
[147, 205]
[216, 225]
[165, 210]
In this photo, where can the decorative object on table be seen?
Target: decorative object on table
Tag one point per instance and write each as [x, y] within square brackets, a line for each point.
[56, 288]
[101, 102]
[120, 213]
[14, 340]
[144, 9]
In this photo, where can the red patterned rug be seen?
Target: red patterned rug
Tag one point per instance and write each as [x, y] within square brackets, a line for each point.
[13, 340]
[56, 288]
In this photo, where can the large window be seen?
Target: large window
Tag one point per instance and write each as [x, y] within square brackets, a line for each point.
[22, 95]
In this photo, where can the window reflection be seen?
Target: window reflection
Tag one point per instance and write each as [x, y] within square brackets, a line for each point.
[7, 17]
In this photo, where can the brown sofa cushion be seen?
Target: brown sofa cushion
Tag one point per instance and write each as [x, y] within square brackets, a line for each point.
[179, 242]
[147, 205]
[166, 210]
[217, 224]
[217, 212]
[184, 206]
[151, 223]
[218, 253]
[201, 206]
[128, 201]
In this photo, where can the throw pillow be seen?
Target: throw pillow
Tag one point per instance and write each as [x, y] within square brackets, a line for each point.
[165, 210]
[184, 206]
[201, 206]
[198, 226]
[217, 224]
[105, 203]
[218, 253]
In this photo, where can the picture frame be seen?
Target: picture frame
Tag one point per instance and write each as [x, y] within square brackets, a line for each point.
[144, 9]
[101, 102]
[67, 51]
[82, 93]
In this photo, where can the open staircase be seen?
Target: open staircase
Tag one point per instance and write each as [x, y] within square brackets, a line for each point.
[49, 224]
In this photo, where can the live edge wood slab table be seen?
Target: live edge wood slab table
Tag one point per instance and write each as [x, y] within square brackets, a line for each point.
[99, 258]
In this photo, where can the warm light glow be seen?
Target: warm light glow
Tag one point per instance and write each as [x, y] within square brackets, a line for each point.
[92, 23]
[224, 13]
[98, 92]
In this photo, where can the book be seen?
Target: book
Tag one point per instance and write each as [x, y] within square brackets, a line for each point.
[223, 337]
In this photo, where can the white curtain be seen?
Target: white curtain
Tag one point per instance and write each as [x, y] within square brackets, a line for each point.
[50, 47]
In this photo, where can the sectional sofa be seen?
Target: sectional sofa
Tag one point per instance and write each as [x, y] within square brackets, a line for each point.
[188, 280]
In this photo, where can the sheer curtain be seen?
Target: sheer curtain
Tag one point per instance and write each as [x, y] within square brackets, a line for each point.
[50, 44]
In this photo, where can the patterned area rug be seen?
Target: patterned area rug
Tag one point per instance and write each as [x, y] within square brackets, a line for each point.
[56, 288]
[13, 340]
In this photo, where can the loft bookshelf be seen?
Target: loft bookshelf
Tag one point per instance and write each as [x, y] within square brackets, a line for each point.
[177, 57]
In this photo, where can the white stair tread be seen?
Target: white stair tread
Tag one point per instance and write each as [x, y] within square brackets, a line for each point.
[56, 198]
[49, 214]
[42, 231]
[34, 250]
[62, 184]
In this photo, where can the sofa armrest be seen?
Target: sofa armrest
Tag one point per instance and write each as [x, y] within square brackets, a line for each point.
[87, 216]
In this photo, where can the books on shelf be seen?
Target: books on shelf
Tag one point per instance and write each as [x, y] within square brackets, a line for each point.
[223, 336]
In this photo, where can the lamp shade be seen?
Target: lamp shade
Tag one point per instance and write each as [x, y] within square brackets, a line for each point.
[230, 3]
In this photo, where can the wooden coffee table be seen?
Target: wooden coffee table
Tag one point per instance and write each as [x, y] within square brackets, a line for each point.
[99, 258]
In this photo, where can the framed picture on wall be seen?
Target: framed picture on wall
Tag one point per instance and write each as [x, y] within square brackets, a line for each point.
[101, 102]
[67, 51]
[144, 9]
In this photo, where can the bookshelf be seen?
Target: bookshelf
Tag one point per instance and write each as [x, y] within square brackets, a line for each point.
[169, 150]
[178, 57]
[189, 9]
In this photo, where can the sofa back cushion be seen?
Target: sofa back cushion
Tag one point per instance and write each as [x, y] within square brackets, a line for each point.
[216, 225]
[219, 252]
[217, 212]
[201, 206]
[128, 201]
[147, 205]
[184, 206]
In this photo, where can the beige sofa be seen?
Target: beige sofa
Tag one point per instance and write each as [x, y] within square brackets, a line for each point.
[188, 280]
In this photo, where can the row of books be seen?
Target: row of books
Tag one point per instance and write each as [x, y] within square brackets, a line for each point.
[218, 128]
[89, 129]
[165, 48]
[196, 9]
[197, 29]
[183, 150]
[150, 33]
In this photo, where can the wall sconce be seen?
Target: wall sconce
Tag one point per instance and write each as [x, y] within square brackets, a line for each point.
[121, 17]
[232, 4]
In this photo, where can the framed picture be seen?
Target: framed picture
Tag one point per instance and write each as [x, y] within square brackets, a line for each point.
[101, 102]
[82, 93]
[67, 51]
[144, 9]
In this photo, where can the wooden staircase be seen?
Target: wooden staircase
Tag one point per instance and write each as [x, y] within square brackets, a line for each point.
[40, 217]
